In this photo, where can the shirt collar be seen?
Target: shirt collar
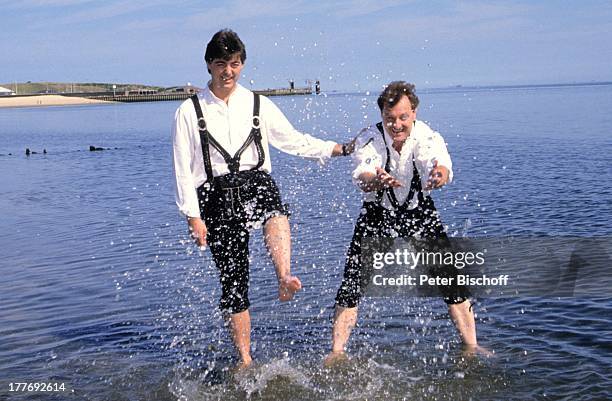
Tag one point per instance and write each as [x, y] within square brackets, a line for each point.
[210, 97]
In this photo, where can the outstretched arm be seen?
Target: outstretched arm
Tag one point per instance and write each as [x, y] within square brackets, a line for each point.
[283, 136]
[433, 160]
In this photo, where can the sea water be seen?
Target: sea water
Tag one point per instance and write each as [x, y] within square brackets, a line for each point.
[102, 290]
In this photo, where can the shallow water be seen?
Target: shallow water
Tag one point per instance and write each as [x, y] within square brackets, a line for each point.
[103, 291]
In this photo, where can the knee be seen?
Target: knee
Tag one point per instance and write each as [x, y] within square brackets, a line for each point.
[276, 222]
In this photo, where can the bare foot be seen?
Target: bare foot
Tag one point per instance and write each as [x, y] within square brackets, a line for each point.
[242, 365]
[475, 350]
[334, 358]
[287, 287]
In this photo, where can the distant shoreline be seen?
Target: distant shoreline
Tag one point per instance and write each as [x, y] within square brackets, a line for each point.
[46, 100]
[521, 86]
[482, 88]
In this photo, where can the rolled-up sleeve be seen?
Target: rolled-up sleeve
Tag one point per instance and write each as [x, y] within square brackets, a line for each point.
[283, 136]
[441, 154]
[366, 156]
[433, 148]
[182, 148]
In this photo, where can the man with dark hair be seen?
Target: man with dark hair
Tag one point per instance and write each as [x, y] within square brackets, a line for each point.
[397, 163]
[223, 183]
[223, 45]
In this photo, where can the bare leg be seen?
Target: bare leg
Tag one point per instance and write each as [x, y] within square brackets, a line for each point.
[240, 327]
[277, 236]
[463, 318]
[344, 321]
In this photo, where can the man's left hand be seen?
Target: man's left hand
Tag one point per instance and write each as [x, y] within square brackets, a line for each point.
[438, 177]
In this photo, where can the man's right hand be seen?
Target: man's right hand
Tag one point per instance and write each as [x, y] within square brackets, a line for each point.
[374, 182]
[386, 180]
[197, 229]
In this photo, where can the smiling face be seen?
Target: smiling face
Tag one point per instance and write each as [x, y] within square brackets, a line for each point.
[225, 73]
[399, 119]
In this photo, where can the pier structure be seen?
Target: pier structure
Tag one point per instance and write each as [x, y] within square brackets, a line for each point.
[167, 94]
[182, 95]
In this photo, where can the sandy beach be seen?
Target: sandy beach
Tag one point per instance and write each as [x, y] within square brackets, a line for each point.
[45, 100]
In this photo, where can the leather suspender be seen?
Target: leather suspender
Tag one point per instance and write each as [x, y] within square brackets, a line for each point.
[204, 136]
[233, 163]
[415, 184]
[256, 133]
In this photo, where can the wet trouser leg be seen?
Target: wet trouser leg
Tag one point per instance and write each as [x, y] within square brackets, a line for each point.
[375, 221]
[229, 245]
[253, 199]
[369, 224]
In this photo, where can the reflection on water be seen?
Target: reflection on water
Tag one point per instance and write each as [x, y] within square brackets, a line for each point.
[102, 289]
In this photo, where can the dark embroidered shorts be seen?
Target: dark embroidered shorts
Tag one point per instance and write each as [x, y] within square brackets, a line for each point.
[232, 206]
[376, 221]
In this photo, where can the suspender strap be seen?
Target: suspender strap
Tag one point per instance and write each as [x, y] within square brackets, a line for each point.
[233, 163]
[229, 160]
[256, 133]
[204, 137]
[389, 191]
[381, 193]
[254, 136]
[415, 184]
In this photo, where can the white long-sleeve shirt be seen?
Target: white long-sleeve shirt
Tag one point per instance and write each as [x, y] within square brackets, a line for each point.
[230, 124]
[423, 145]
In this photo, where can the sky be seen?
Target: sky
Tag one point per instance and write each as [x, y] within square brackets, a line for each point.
[349, 45]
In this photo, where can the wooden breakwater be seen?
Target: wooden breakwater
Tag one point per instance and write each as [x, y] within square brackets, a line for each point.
[154, 97]
[146, 95]
[284, 91]
[55, 99]
[157, 97]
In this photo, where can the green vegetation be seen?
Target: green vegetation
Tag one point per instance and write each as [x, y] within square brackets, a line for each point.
[27, 88]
